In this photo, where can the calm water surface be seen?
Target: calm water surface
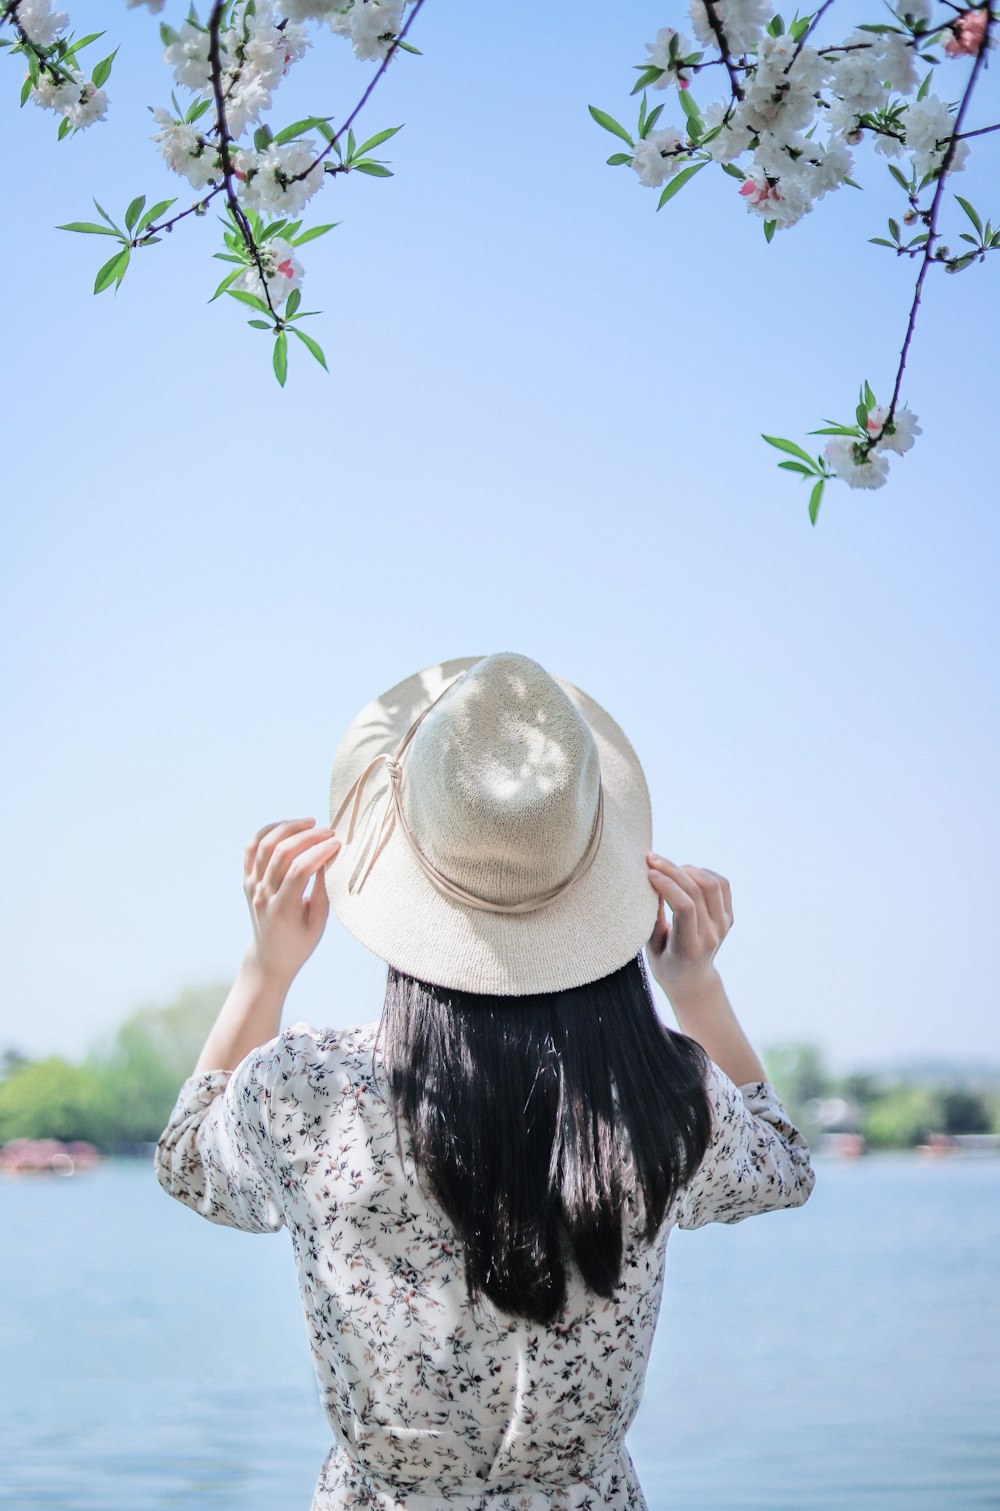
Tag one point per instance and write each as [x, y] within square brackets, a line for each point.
[836, 1358]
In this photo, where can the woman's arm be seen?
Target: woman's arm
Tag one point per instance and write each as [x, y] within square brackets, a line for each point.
[681, 956]
[277, 865]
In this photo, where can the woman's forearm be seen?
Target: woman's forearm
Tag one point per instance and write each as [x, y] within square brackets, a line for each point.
[704, 1013]
[250, 1015]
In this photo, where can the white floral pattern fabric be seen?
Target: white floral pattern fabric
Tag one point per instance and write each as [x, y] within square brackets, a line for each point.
[436, 1404]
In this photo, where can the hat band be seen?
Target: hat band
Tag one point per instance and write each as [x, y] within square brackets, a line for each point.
[394, 810]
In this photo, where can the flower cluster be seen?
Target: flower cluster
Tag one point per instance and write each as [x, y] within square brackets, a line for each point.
[788, 92]
[54, 80]
[794, 113]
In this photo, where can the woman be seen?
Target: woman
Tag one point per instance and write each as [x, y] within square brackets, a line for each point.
[479, 1190]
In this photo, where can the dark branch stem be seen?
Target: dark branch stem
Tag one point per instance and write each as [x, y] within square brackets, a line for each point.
[810, 28]
[715, 23]
[979, 131]
[225, 145]
[390, 53]
[932, 231]
[168, 225]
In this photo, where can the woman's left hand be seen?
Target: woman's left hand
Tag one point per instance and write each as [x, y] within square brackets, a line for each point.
[278, 863]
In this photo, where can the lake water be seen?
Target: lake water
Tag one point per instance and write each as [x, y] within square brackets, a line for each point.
[836, 1358]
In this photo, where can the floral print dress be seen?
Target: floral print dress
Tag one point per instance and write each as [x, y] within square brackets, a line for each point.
[436, 1404]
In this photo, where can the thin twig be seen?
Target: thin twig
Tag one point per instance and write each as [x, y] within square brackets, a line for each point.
[715, 22]
[932, 231]
[225, 142]
[390, 53]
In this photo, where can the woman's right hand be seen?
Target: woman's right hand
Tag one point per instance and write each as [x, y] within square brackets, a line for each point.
[681, 952]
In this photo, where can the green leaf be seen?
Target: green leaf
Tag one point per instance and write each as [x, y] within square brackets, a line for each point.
[134, 211]
[105, 216]
[970, 212]
[869, 396]
[292, 303]
[246, 298]
[312, 233]
[113, 271]
[610, 124]
[299, 128]
[902, 181]
[65, 127]
[733, 171]
[378, 139]
[281, 357]
[836, 430]
[769, 226]
[154, 213]
[313, 346]
[678, 181]
[922, 91]
[89, 227]
[815, 499]
[260, 325]
[103, 69]
[862, 415]
[798, 467]
[262, 138]
[647, 76]
[882, 241]
[375, 170]
[617, 158]
[790, 447]
[223, 286]
[688, 106]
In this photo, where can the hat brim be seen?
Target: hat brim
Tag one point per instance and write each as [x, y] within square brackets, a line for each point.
[592, 929]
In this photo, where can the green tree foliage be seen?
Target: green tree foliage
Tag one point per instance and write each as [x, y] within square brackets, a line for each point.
[124, 1091]
[902, 1117]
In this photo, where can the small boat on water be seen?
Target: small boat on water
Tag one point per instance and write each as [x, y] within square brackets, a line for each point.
[47, 1156]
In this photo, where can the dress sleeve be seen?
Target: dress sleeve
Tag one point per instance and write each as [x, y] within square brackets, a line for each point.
[756, 1160]
[216, 1154]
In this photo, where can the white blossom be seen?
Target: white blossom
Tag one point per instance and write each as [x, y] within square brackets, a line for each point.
[905, 429]
[734, 138]
[41, 23]
[188, 57]
[282, 270]
[90, 105]
[271, 183]
[50, 94]
[371, 25]
[929, 122]
[649, 163]
[870, 473]
[916, 10]
[776, 100]
[186, 151]
[659, 57]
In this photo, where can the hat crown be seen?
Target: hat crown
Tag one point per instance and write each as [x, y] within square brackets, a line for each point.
[502, 781]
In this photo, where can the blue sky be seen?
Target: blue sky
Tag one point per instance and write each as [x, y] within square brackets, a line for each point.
[540, 432]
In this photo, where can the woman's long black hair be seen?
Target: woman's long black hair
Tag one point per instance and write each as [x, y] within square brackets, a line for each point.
[533, 1119]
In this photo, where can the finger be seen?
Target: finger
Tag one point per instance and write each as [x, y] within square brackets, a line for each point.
[661, 930]
[676, 873]
[303, 865]
[318, 904]
[716, 891]
[263, 845]
[684, 907]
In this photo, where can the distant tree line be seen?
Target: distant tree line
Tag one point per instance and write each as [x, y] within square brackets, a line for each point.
[121, 1095]
[890, 1111]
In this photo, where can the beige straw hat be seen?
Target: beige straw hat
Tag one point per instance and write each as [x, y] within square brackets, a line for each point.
[494, 824]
